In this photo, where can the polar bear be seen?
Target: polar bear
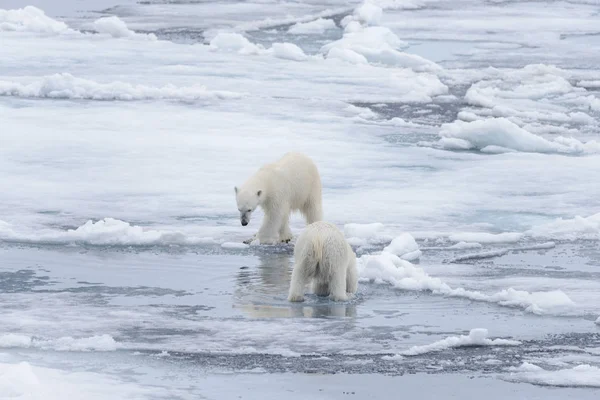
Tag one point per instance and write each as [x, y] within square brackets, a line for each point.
[292, 183]
[323, 256]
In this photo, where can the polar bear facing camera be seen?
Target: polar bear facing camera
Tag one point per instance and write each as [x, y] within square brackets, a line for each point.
[292, 183]
[323, 256]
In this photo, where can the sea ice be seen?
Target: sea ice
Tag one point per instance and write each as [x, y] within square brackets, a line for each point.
[580, 376]
[316, 27]
[476, 337]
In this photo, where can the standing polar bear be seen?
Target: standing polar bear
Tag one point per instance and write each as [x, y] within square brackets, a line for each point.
[323, 256]
[292, 183]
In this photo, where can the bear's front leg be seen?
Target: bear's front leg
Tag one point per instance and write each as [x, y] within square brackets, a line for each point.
[285, 233]
[248, 241]
[269, 231]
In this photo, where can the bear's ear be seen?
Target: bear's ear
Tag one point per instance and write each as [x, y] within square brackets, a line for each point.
[259, 193]
[236, 189]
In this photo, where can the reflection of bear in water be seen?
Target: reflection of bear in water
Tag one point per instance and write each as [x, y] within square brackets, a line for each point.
[261, 292]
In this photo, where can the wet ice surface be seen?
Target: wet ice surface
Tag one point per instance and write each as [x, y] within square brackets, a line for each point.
[471, 127]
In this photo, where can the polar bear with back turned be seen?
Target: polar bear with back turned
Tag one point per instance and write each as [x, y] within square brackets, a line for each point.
[292, 183]
[323, 256]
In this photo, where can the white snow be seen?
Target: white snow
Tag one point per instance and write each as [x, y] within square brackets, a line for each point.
[316, 27]
[117, 28]
[107, 231]
[368, 13]
[405, 247]
[481, 255]
[25, 381]
[569, 229]
[378, 45]
[347, 55]
[234, 42]
[67, 86]
[67, 343]
[288, 51]
[500, 135]
[234, 245]
[31, 19]
[14, 340]
[580, 376]
[388, 268]
[598, 321]
[484, 237]
[465, 245]
[476, 337]
[363, 231]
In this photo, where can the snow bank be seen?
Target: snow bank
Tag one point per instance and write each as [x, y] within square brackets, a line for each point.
[288, 51]
[316, 27]
[579, 376]
[390, 269]
[117, 28]
[368, 13]
[236, 43]
[465, 246]
[484, 237]
[499, 135]
[598, 321]
[377, 45]
[533, 94]
[26, 381]
[67, 86]
[366, 234]
[31, 19]
[107, 231]
[234, 245]
[364, 41]
[480, 256]
[477, 337]
[362, 231]
[569, 229]
[94, 343]
[405, 247]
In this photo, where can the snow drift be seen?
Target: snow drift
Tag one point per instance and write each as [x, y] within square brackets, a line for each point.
[366, 42]
[108, 231]
[569, 229]
[67, 86]
[67, 343]
[497, 135]
[117, 28]
[405, 247]
[476, 337]
[580, 376]
[316, 27]
[31, 19]
[390, 269]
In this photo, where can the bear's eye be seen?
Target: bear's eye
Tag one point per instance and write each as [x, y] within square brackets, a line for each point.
[249, 210]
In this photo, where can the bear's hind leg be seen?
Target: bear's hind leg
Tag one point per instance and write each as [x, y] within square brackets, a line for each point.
[337, 285]
[300, 275]
[352, 276]
[312, 210]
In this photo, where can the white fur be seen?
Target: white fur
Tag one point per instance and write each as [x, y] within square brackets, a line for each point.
[292, 183]
[323, 256]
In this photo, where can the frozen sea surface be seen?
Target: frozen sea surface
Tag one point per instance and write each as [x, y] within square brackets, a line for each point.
[458, 148]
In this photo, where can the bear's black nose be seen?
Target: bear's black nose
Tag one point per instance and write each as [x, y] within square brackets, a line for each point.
[244, 223]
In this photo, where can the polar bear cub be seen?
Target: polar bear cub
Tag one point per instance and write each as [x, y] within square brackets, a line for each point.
[323, 256]
[292, 183]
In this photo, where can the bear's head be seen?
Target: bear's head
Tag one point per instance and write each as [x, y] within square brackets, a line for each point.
[247, 201]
